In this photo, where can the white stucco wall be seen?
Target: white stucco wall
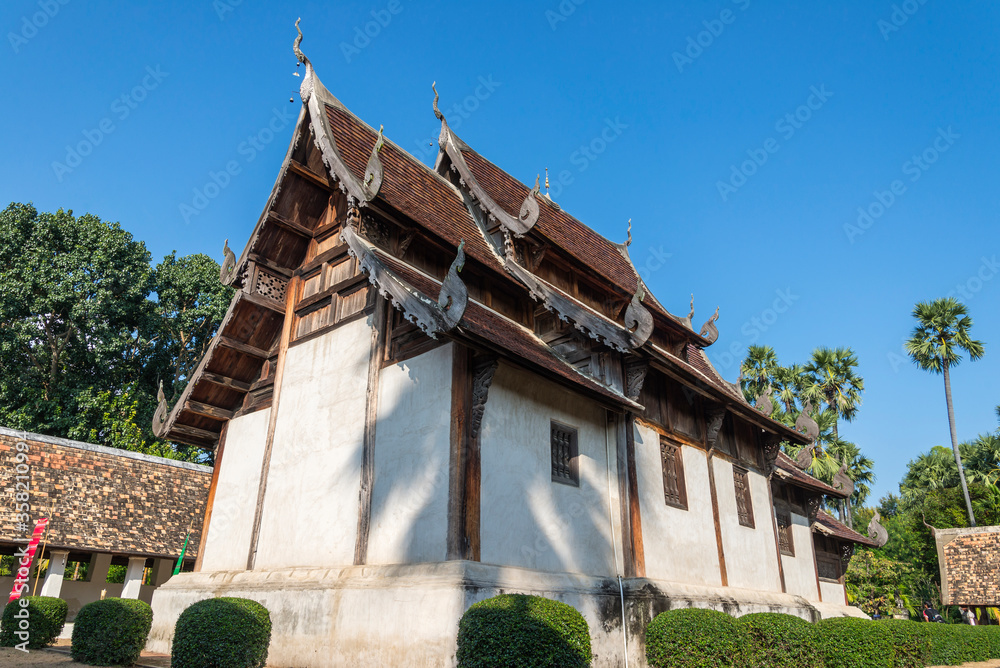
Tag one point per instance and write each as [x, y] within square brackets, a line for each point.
[800, 570]
[832, 592]
[751, 554]
[409, 521]
[679, 545]
[231, 524]
[310, 514]
[527, 519]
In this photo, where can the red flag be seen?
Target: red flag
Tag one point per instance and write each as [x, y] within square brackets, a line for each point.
[24, 565]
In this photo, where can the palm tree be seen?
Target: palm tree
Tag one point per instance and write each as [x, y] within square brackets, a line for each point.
[831, 377]
[789, 382]
[757, 371]
[937, 342]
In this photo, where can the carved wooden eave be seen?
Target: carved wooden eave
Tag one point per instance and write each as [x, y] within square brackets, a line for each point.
[316, 98]
[429, 315]
[451, 145]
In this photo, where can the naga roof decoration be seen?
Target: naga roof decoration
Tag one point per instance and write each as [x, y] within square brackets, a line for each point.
[317, 98]
[826, 524]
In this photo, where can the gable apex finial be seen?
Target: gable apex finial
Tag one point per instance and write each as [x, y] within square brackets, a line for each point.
[437, 111]
[298, 40]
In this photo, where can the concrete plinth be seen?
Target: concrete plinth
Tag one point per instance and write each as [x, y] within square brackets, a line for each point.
[54, 574]
[407, 616]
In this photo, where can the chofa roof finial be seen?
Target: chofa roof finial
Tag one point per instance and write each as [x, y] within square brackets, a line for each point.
[437, 111]
[298, 40]
[547, 183]
[628, 242]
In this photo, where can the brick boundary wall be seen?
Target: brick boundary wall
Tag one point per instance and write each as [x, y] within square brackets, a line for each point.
[103, 499]
[970, 565]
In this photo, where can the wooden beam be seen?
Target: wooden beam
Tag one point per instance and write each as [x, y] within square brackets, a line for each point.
[225, 381]
[376, 352]
[208, 410]
[461, 383]
[211, 497]
[194, 432]
[244, 348]
[309, 175]
[715, 516]
[325, 256]
[289, 225]
[265, 262]
[264, 302]
[774, 527]
[628, 556]
[635, 519]
[286, 333]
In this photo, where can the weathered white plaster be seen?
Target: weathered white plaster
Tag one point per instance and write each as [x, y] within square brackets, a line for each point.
[54, 574]
[833, 592]
[527, 519]
[231, 524]
[751, 554]
[409, 520]
[407, 616]
[679, 545]
[310, 513]
[133, 577]
[78, 593]
[800, 570]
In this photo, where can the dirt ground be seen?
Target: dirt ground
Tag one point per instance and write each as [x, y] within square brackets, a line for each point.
[41, 658]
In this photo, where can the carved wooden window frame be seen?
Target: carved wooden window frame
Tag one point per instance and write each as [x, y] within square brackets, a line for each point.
[564, 444]
[672, 465]
[783, 521]
[744, 500]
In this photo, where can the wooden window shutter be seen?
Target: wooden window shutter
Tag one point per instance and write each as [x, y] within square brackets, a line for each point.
[565, 454]
[744, 504]
[674, 487]
[785, 544]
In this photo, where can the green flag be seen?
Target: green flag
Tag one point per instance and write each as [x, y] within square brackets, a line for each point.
[180, 559]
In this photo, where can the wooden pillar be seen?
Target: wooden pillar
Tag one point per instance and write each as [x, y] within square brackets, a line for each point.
[715, 516]
[459, 468]
[635, 519]
[777, 542]
[628, 555]
[375, 357]
[291, 293]
[211, 496]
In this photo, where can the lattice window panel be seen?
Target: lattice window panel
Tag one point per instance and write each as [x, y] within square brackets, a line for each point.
[565, 454]
[674, 488]
[273, 287]
[785, 544]
[744, 505]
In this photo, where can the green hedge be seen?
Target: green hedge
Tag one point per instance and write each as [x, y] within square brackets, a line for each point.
[955, 644]
[111, 632]
[37, 620]
[520, 631]
[911, 641]
[991, 640]
[848, 642]
[695, 638]
[780, 640]
[224, 632]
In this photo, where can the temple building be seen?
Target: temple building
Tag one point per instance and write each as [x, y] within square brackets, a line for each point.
[435, 385]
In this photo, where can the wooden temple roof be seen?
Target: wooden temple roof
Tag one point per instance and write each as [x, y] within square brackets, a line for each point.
[826, 524]
[467, 207]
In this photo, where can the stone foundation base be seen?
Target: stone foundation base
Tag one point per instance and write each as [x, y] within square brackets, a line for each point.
[407, 616]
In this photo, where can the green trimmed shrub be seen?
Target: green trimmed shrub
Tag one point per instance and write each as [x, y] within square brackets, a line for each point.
[111, 632]
[45, 619]
[222, 632]
[991, 640]
[695, 638]
[780, 640]
[954, 644]
[520, 631]
[912, 643]
[849, 642]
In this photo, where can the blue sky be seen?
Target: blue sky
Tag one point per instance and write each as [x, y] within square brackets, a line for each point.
[740, 137]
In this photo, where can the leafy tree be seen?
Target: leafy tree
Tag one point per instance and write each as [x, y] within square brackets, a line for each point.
[757, 371]
[937, 344]
[876, 584]
[73, 309]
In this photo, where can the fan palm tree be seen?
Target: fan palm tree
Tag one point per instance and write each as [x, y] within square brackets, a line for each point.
[789, 382]
[757, 371]
[937, 343]
[830, 377]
